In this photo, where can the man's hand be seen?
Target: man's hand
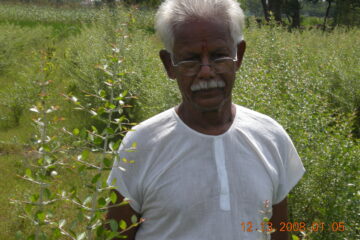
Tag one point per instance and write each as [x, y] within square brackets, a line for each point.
[280, 214]
[125, 213]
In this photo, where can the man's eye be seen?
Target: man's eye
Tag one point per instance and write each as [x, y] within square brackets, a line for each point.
[220, 55]
[189, 64]
[193, 58]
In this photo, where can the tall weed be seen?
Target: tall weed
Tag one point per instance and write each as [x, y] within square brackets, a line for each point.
[289, 76]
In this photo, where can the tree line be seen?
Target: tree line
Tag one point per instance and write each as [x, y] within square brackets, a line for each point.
[342, 12]
[345, 12]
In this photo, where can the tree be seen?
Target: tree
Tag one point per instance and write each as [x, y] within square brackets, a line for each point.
[327, 13]
[273, 6]
[347, 12]
[292, 10]
[253, 7]
[279, 7]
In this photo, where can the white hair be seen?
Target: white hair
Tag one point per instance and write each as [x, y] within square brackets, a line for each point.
[172, 13]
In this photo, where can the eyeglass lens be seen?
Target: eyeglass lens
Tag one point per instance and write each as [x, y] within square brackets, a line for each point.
[191, 68]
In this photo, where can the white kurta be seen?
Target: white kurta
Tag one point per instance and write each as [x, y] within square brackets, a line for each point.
[192, 186]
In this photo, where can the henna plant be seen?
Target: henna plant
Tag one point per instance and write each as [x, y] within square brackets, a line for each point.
[42, 169]
[102, 145]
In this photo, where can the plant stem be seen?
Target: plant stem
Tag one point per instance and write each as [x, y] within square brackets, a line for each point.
[100, 169]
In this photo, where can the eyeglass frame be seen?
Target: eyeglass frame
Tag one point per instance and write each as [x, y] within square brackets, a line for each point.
[235, 59]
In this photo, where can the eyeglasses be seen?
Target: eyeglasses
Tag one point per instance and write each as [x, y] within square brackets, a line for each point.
[192, 67]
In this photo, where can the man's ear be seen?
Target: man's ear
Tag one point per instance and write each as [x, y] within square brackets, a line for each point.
[165, 57]
[241, 46]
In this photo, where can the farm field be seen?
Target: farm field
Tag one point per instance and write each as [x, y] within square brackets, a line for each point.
[308, 80]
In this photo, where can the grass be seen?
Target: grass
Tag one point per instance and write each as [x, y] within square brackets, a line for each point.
[306, 80]
[10, 165]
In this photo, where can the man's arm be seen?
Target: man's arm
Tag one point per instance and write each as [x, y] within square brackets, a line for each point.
[125, 213]
[280, 214]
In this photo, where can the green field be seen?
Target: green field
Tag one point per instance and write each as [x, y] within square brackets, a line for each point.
[308, 80]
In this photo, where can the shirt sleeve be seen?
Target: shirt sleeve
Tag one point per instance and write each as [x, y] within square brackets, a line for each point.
[124, 177]
[291, 170]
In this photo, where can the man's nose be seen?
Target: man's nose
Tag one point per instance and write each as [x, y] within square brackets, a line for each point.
[206, 70]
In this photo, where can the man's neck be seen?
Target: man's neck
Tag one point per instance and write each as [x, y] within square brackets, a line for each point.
[213, 122]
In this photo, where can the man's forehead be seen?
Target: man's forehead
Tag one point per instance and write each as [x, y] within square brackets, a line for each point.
[201, 46]
[202, 35]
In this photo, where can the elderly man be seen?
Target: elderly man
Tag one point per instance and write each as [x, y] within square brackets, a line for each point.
[206, 169]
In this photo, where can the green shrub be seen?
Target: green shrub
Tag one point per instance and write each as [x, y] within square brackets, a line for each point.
[290, 76]
[306, 80]
[17, 70]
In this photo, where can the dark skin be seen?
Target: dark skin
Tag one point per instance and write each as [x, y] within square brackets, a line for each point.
[125, 213]
[207, 111]
[280, 214]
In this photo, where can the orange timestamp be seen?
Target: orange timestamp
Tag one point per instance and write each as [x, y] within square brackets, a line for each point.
[293, 227]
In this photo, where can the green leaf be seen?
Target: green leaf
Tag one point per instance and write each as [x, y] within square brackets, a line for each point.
[116, 145]
[40, 161]
[113, 225]
[113, 197]
[85, 155]
[46, 148]
[109, 131]
[96, 178]
[76, 131]
[107, 162]
[31, 237]
[56, 234]
[47, 193]
[113, 235]
[34, 197]
[81, 168]
[101, 202]
[100, 231]
[101, 110]
[19, 235]
[83, 133]
[121, 119]
[28, 209]
[28, 173]
[294, 237]
[94, 129]
[102, 93]
[41, 216]
[134, 219]
[98, 141]
[122, 225]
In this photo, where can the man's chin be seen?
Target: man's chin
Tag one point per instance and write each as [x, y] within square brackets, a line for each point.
[209, 107]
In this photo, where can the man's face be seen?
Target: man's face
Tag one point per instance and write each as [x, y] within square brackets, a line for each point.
[204, 41]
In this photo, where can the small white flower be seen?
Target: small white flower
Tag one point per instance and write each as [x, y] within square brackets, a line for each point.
[54, 173]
